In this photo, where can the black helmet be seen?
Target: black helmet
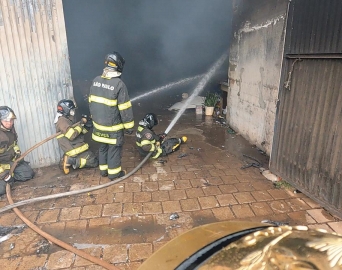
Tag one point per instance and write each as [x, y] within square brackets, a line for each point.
[6, 113]
[65, 106]
[115, 60]
[150, 120]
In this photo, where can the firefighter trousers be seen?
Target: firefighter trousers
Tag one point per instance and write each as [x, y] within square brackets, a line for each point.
[21, 173]
[86, 159]
[110, 160]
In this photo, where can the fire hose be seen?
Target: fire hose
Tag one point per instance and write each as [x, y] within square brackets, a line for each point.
[49, 237]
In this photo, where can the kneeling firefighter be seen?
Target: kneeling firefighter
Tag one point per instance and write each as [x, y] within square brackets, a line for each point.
[148, 141]
[71, 141]
[10, 152]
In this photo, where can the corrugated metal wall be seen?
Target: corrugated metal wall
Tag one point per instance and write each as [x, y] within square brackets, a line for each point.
[34, 71]
[308, 137]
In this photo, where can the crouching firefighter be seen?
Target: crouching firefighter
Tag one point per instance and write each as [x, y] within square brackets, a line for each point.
[71, 140]
[148, 141]
[10, 152]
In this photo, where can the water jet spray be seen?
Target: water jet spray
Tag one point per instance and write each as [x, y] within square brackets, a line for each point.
[197, 90]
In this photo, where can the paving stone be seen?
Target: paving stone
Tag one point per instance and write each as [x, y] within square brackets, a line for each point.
[166, 185]
[336, 226]
[261, 196]
[171, 206]
[178, 168]
[176, 195]
[11, 263]
[116, 253]
[99, 222]
[200, 182]
[112, 209]
[242, 187]
[233, 172]
[261, 185]
[79, 225]
[280, 207]
[60, 259]
[194, 193]
[91, 211]
[47, 216]
[226, 199]
[214, 181]
[52, 228]
[301, 218]
[211, 190]
[148, 170]
[320, 215]
[150, 186]
[226, 189]
[104, 198]
[132, 187]
[162, 195]
[187, 175]
[123, 197]
[142, 196]
[71, 213]
[132, 209]
[189, 205]
[311, 202]
[96, 252]
[167, 176]
[116, 188]
[244, 197]
[140, 251]
[223, 213]
[182, 184]
[32, 262]
[152, 208]
[279, 194]
[242, 211]
[208, 202]
[261, 209]
[245, 178]
[297, 204]
[229, 179]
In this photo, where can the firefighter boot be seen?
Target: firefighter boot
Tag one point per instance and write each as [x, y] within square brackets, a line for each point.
[67, 162]
[121, 174]
[184, 139]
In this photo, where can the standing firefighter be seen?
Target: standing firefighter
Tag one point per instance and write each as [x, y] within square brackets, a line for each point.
[147, 141]
[9, 152]
[71, 140]
[111, 111]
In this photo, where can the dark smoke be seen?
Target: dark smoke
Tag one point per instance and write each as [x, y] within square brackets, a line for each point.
[161, 40]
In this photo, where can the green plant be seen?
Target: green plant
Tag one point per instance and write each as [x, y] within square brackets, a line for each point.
[210, 99]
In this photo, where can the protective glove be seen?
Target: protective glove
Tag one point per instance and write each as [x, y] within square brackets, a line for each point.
[129, 131]
[8, 178]
[85, 118]
[162, 137]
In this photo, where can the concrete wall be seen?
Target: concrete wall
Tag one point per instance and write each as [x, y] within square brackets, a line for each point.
[255, 67]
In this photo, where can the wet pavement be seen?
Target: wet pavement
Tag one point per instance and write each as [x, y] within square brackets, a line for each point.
[125, 223]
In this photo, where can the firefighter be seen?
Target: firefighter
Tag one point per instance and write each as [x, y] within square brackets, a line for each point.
[112, 114]
[71, 141]
[148, 141]
[10, 151]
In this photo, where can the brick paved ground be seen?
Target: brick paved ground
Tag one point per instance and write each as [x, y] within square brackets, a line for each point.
[125, 223]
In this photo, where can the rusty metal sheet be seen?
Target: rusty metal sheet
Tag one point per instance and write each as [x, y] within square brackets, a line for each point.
[34, 71]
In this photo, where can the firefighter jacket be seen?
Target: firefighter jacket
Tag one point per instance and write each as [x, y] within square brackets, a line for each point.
[147, 141]
[9, 149]
[110, 109]
[71, 141]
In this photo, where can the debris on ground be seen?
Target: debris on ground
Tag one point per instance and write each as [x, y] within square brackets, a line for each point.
[297, 191]
[174, 216]
[268, 175]
[162, 161]
[182, 155]
[255, 163]
[275, 223]
[7, 232]
[42, 246]
[230, 130]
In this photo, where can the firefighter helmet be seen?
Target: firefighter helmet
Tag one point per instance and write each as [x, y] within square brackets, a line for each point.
[6, 113]
[150, 120]
[65, 107]
[115, 60]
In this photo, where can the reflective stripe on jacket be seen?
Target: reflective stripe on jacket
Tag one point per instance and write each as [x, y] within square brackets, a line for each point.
[110, 108]
[147, 141]
[71, 141]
